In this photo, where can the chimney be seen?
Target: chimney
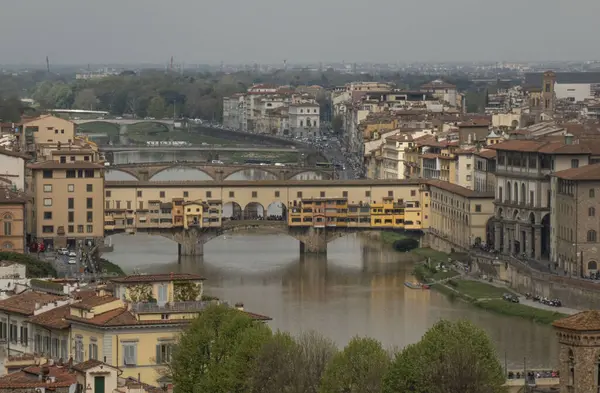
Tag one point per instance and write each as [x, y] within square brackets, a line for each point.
[568, 139]
[37, 306]
[51, 379]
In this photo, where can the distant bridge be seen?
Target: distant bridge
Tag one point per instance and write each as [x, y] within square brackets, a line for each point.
[167, 122]
[197, 148]
[219, 172]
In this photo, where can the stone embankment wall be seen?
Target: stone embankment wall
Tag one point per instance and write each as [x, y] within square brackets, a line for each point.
[573, 293]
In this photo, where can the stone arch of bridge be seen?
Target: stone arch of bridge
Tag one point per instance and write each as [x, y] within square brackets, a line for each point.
[162, 124]
[274, 174]
[180, 166]
[314, 157]
[127, 172]
[324, 174]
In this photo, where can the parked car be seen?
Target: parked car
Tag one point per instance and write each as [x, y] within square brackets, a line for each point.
[72, 254]
[72, 261]
[63, 251]
[509, 297]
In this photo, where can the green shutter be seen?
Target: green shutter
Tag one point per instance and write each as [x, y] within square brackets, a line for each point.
[158, 359]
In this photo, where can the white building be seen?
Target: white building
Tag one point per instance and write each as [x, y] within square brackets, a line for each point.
[12, 169]
[304, 120]
[573, 86]
[394, 155]
[443, 91]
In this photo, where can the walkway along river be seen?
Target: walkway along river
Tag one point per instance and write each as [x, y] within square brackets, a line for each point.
[357, 290]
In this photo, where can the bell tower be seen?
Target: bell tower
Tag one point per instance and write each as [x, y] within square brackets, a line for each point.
[579, 353]
[548, 97]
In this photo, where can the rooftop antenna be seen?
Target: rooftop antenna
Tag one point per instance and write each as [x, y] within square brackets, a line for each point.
[47, 64]
[171, 66]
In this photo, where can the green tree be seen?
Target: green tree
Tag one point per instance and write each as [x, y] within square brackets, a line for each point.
[86, 99]
[277, 367]
[216, 352]
[156, 107]
[11, 109]
[452, 357]
[359, 368]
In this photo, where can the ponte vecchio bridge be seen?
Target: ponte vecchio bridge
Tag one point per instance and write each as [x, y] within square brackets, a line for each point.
[314, 211]
[218, 172]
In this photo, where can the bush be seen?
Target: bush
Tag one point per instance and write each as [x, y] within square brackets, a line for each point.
[34, 267]
[406, 244]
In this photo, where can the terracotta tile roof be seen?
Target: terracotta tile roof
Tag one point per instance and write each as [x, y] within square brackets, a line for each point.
[399, 138]
[123, 317]
[487, 153]
[582, 321]
[465, 151]
[90, 302]
[587, 172]
[459, 190]
[66, 165]
[430, 156]
[88, 364]
[28, 378]
[158, 278]
[10, 197]
[25, 302]
[53, 319]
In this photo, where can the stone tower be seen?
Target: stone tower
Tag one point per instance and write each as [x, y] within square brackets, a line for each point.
[579, 340]
[548, 97]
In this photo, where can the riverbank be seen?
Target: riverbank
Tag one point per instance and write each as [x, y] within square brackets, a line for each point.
[111, 268]
[483, 295]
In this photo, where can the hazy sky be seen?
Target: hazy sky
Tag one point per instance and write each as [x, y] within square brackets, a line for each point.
[210, 31]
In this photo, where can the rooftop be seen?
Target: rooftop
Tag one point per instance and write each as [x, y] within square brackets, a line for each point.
[584, 173]
[54, 319]
[582, 321]
[25, 303]
[11, 153]
[90, 302]
[146, 278]
[10, 197]
[29, 378]
[88, 364]
[549, 147]
[459, 190]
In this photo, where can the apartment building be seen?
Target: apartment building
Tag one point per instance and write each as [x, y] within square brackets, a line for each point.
[484, 171]
[12, 169]
[523, 193]
[443, 91]
[465, 168]
[575, 244]
[68, 199]
[460, 215]
[304, 120]
[47, 130]
[393, 155]
[12, 220]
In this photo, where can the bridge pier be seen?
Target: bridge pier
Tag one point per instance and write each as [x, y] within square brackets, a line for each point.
[313, 241]
[190, 248]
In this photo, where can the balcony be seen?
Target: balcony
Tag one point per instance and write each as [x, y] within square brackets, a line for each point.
[192, 306]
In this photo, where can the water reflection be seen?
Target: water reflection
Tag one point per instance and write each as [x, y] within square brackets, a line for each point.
[131, 157]
[357, 290]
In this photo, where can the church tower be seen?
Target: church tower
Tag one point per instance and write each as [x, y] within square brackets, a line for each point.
[579, 340]
[548, 96]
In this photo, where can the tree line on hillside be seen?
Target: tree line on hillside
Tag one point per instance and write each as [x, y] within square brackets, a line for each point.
[224, 351]
[159, 94]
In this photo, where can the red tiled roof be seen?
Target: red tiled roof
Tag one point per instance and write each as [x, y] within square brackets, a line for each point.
[24, 303]
[90, 302]
[10, 197]
[459, 190]
[582, 321]
[158, 278]
[28, 378]
[587, 172]
[88, 364]
[549, 146]
[123, 317]
[487, 153]
[53, 319]
[5, 152]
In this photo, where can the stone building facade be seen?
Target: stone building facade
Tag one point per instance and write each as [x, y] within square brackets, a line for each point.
[575, 234]
[579, 352]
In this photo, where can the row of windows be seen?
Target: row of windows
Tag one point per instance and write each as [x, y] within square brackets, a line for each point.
[277, 194]
[129, 351]
[567, 234]
[70, 216]
[70, 173]
[63, 159]
[70, 228]
[70, 187]
[89, 203]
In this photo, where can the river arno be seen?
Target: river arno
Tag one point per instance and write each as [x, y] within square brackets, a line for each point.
[357, 290]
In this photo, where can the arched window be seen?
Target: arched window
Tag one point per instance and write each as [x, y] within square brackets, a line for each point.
[7, 246]
[571, 368]
[592, 265]
[523, 199]
[591, 236]
[7, 228]
[592, 212]
[516, 193]
[308, 122]
[592, 193]
[500, 194]
[508, 192]
[7, 216]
